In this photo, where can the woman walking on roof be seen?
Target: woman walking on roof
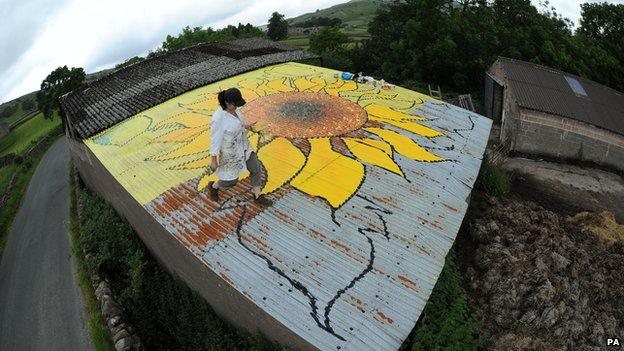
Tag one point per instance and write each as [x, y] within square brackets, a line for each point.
[230, 150]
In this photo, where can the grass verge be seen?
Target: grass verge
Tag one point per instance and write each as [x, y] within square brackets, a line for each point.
[99, 331]
[24, 172]
[493, 179]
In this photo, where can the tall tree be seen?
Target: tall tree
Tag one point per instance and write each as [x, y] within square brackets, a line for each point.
[59, 82]
[278, 27]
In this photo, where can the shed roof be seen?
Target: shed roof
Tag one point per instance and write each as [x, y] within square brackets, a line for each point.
[552, 91]
[135, 88]
[369, 188]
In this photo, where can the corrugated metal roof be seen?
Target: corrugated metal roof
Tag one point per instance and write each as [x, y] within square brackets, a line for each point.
[133, 89]
[353, 244]
[546, 89]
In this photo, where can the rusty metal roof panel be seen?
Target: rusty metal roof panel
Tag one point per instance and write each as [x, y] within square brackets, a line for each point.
[549, 90]
[369, 188]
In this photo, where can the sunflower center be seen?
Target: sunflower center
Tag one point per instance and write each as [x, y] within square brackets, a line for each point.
[305, 115]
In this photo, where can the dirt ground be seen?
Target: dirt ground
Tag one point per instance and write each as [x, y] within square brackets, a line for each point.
[544, 280]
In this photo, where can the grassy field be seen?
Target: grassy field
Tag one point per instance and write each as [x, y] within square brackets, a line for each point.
[24, 172]
[21, 137]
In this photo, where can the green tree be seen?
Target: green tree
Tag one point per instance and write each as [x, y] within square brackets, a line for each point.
[278, 27]
[59, 82]
[28, 104]
[328, 39]
[198, 35]
[129, 62]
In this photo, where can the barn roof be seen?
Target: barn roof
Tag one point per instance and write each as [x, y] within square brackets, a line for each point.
[552, 91]
[369, 188]
[135, 88]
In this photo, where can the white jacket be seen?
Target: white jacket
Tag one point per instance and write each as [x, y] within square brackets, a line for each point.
[228, 140]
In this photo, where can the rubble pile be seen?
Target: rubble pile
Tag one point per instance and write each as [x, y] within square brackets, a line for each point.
[545, 281]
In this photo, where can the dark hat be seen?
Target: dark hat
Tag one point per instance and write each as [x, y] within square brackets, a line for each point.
[234, 96]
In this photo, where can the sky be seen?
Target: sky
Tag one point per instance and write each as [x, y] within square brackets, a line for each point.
[37, 36]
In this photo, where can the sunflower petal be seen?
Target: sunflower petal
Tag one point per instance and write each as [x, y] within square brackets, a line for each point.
[329, 174]
[404, 145]
[373, 155]
[282, 160]
[302, 84]
[386, 112]
[210, 103]
[341, 85]
[187, 119]
[212, 177]
[181, 134]
[280, 85]
[409, 126]
[197, 145]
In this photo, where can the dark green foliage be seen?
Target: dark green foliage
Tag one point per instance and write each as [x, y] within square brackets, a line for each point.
[277, 27]
[492, 179]
[447, 322]
[319, 22]
[59, 82]
[129, 62]
[28, 104]
[166, 313]
[328, 39]
[198, 35]
[454, 43]
[330, 43]
[8, 109]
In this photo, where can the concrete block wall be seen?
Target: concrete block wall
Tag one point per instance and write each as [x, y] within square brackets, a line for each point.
[540, 133]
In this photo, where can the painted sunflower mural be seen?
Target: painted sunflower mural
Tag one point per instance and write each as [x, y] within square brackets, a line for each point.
[369, 188]
[315, 126]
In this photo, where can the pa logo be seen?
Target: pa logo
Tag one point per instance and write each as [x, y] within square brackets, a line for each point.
[613, 342]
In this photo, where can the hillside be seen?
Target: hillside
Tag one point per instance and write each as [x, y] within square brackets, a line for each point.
[357, 13]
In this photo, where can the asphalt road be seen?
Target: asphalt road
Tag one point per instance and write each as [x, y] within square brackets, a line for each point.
[41, 305]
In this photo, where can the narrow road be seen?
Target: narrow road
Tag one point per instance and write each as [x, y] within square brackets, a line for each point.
[41, 307]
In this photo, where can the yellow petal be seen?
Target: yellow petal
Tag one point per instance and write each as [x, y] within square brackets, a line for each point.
[248, 84]
[319, 83]
[187, 119]
[181, 134]
[386, 112]
[341, 85]
[203, 182]
[409, 126]
[373, 155]
[212, 177]
[249, 94]
[253, 140]
[303, 84]
[197, 145]
[282, 160]
[280, 84]
[124, 132]
[329, 174]
[196, 164]
[210, 103]
[404, 145]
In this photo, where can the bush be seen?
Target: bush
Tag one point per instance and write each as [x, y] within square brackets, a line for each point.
[165, 312]
[447, 322]
[492, 179]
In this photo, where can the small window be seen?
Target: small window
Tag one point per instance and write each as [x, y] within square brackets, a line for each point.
[576, 86]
